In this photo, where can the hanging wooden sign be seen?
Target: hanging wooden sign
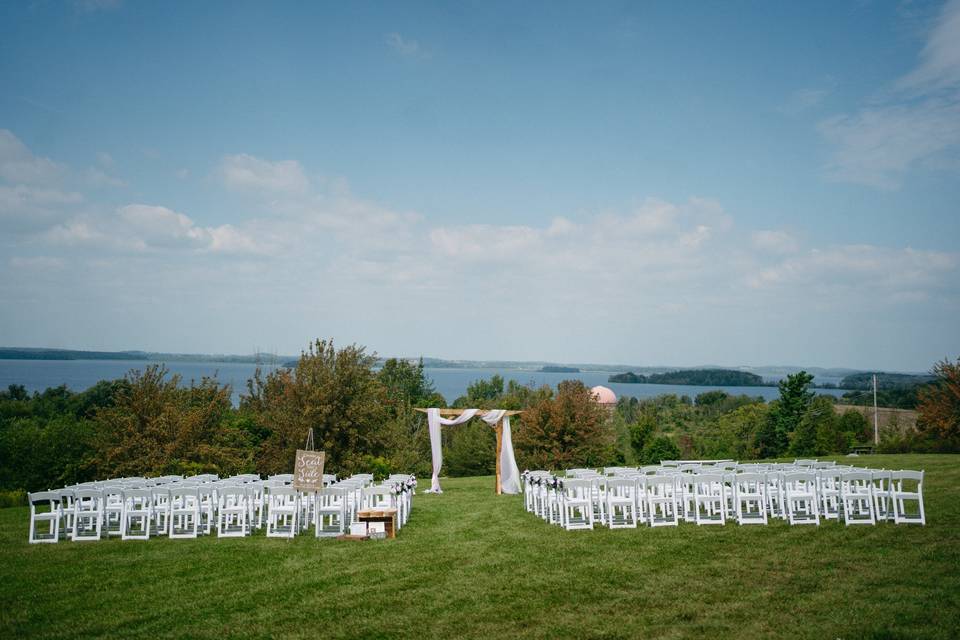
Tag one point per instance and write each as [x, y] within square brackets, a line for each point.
[308, 470]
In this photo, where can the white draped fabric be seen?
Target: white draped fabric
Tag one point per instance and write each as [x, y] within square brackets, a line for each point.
[509, 473]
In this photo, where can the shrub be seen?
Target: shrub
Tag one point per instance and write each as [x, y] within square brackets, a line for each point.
[13, 499]
[660, 448]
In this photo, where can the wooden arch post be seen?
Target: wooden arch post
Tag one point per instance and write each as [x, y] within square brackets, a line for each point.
[448, 413]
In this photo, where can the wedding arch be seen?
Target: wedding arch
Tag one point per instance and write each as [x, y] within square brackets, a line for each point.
[508, 475]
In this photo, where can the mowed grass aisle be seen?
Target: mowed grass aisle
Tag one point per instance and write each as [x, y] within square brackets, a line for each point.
[471, 564]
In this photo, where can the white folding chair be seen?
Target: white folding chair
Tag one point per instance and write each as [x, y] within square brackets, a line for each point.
[112, 509]
[137, 514]
[379, 497]
[332, 511]
[710, 500]
[687, 493]
[640, 496]
[160, 495]
[66, 511]
[774, 491]
[184, 512]
[882, 503]
[255, 503]
[207, 507]
[598, 493]
[662, 500]
[829, 481]
[44, 508]
[621, 503]
[283, 512]
[750, 499]
[576, 504]
[87, 515]
[232, 512]
[800, 497]
[856, 494]
[902, 496]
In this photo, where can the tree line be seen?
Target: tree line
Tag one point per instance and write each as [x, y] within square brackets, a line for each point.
[363, 415]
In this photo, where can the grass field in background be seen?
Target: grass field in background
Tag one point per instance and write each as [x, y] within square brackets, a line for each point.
[472, 564]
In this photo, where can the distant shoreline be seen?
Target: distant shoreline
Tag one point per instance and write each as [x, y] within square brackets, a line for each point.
[769, 373]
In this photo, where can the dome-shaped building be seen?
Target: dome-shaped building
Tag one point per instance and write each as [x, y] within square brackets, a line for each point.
[604, 396]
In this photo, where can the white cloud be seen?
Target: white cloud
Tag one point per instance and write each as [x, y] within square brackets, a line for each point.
[774, 241]
[19, 165]
[940, 59]
[485, 242]
[74, 232]
[150, 228]
[159, 226]
[25, 207]
[246, 172]
[915, 126]
[897, 273]
[97, 177]
[877, 146]
[405, 47]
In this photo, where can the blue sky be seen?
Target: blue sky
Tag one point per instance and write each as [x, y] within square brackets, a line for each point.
[731, 183]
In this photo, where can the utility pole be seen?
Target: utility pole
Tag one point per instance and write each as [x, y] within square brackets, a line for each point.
[876, 423]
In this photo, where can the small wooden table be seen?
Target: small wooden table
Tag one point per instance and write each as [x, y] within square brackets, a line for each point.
[387, 516]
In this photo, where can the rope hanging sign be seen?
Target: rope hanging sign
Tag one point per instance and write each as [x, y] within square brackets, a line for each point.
[308, 467]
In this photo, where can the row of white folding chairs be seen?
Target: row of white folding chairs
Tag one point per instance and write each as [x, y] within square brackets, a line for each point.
[828, 487]
[332, 510]
[133, 508]
[855, 494]
[799, 496]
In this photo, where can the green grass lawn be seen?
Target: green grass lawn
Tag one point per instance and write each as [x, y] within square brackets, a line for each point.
[471, 564]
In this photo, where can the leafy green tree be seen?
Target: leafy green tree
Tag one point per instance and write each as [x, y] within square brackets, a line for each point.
[819, 419]
[855, 426]
[406, 384]
[734, 434]
[629, 408]
[708, 398]
[641, 432]
[481, 394]
[564, 431]
[660, 448]
[939, 407]
[832, 437]
[38, 454]
[785, 415]
[472, 450]
[14, 392]
[404, 435]
[334, 391]
[157, 426]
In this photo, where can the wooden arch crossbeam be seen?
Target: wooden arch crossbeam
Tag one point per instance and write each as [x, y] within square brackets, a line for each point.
[447, 413]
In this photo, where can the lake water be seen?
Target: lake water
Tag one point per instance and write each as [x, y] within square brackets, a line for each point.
[37, 375]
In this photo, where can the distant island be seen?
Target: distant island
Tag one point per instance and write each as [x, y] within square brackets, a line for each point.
[558, 369]
[896, 390]
[698, 377]
[864, 381]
